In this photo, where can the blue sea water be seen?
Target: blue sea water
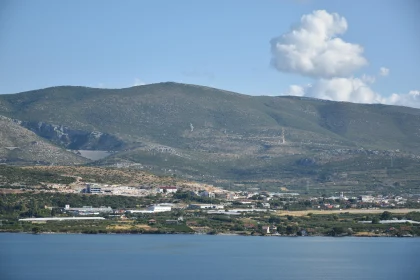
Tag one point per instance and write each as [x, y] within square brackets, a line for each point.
[68, 256]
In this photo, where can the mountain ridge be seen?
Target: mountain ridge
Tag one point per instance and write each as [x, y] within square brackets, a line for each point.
[212, 134]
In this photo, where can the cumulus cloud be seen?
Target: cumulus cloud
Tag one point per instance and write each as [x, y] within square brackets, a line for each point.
[368, 79]
[338, 89]
[296, 90]
[353, 90]
[410, 99]
[312, 48]
[383, 71]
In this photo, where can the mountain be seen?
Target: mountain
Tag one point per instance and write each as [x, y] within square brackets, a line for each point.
[229, 138]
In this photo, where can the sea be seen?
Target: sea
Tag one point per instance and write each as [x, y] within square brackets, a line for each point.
[176, 257]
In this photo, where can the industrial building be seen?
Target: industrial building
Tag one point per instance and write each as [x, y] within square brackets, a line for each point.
[88, 210]
[206, 206]
[153, 209]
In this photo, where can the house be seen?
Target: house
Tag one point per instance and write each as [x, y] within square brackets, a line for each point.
[231, 196]
[152, 221]
[265, 229]
[249, 226]
[207, 194]
[266, 205]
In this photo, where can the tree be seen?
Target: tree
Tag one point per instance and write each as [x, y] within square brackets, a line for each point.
[291, 229]
[386, 215]
[337, 231]
[375, 220]
[274, 220]
[36, 230]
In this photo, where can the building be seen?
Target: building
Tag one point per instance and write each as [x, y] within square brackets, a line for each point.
[159, 208]
[265, 229]
[207, 194]
[93, 189]
[167, 189]
[153, 209]
[367, 198]
[88, 210]
[206, 206]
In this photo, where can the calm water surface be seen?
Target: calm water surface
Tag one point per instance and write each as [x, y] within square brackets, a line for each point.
[64, 257]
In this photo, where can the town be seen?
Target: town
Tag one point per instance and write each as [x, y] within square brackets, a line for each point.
[206, 209]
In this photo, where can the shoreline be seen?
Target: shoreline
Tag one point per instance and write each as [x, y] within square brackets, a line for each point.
[209, 234]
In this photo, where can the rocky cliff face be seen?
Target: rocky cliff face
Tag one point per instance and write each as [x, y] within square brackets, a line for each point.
[18, 145]
[74, 139]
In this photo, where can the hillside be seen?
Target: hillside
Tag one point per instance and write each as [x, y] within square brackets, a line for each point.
[21, 146]
[218, 136]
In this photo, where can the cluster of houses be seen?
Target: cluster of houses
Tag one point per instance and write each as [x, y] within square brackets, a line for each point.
[252, 199]
[362, 201]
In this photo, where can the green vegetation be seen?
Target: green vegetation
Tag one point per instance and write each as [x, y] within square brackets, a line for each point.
[10, 175]
[15, 206]
[227, 138]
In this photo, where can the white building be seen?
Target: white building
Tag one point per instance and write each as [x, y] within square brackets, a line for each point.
[159, 208]
[153, 209]
[367, 198]
[88, 209]
[206, 206]
[166, 189]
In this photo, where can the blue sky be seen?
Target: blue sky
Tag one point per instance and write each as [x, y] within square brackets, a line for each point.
[219, 43]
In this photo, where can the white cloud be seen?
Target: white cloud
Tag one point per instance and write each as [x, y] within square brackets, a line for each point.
[383, 71]
[339, 89]
[312, 49]
[138, 82]
[410, 99]
[353, 90]
[368, 79]
[296, 90]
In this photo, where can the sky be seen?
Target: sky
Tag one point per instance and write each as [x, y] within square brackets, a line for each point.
[347, 50]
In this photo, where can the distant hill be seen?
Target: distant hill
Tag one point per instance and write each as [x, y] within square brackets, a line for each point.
[218, 136]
